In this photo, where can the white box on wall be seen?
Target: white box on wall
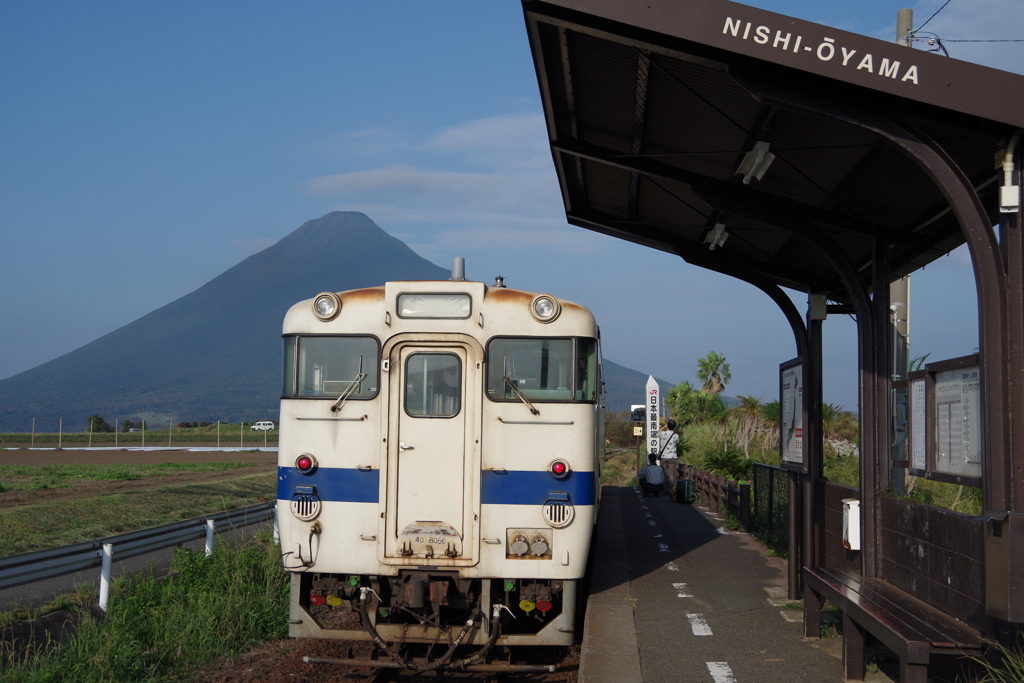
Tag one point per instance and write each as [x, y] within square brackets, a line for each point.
[851, 523]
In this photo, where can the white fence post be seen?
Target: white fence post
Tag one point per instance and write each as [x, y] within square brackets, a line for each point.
[277, 529]
[108, 558]
[210, 524]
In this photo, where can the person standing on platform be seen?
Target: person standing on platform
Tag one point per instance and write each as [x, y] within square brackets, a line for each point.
[668, 442]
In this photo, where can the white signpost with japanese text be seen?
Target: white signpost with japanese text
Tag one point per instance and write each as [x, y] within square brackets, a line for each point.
[652, 391]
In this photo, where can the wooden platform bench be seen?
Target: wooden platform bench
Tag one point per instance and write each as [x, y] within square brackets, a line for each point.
[912, 629]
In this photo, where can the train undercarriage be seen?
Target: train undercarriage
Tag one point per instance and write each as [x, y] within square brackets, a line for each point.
[435, 608]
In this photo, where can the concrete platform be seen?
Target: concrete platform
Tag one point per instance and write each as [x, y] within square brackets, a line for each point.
[675, 597]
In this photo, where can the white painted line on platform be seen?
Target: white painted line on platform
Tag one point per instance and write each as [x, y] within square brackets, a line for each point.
[721, 530]
[721, 672]
[683, 591]
[652, 523]
[672, 567]
[648, 515]
[656, 536]
[699, 626]
[644, 507]
[663, 548]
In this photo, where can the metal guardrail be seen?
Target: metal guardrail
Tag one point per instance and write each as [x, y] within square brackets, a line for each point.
[40, 565]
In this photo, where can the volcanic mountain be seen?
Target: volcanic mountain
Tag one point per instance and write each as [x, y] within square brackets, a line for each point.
[215, 354]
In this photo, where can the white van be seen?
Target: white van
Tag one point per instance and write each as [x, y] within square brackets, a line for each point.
[263, 426]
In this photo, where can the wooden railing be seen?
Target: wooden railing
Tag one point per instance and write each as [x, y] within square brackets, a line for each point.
[718, 494]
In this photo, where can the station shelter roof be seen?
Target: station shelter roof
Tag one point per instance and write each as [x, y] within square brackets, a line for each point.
[652, 108]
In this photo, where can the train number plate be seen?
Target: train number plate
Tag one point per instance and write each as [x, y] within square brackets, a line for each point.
[430, 539]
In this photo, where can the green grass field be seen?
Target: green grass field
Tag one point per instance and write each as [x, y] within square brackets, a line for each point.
[36, 478]
[61, 522]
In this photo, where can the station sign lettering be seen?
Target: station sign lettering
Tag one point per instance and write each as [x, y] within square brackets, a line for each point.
[826, 50]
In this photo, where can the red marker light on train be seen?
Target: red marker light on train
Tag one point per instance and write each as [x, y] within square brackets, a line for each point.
[559, 469]
[305, 463]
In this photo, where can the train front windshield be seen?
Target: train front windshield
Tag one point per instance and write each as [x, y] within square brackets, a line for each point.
[327, 367]
[542, 369]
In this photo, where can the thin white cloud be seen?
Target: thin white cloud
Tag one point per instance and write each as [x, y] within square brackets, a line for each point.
[508, 141]
[527, 193]
[497, 192]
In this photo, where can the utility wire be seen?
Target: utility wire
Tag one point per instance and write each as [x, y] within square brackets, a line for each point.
[932, 16]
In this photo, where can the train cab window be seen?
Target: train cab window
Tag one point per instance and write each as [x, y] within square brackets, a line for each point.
[328, 367]
[542, 369]
[586, 366]
[433, 385]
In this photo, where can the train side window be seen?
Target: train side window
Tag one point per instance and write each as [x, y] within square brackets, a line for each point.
[433, 385]
[586, 369]
[327, 367]
[288, 371]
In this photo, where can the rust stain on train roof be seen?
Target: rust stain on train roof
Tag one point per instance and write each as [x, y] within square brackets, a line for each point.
[368, 294]
[513, 296]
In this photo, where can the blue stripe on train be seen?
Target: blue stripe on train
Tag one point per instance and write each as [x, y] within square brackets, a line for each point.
[513, 487]
[507, 487]
[332, 483]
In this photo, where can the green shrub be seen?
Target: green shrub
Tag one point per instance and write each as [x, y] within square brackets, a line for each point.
[728, 462]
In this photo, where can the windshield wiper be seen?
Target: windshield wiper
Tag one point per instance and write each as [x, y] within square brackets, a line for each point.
[360, 376]
[515, 390]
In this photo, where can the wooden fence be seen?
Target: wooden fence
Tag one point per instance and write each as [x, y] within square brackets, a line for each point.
[718, 494]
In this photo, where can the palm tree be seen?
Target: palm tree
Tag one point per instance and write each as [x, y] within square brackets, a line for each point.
[748, 420]
[679, 403]
[713, 372]
[770, 413]
[688, 405]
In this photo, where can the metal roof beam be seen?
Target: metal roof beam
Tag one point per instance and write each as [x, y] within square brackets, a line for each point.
[663, 240]
[793, 210]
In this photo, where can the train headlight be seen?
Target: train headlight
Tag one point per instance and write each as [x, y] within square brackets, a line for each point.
[326, 306]
[559, 469]
[545, 308]
[305, 463]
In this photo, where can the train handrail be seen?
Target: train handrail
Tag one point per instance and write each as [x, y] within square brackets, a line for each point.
[39, 565]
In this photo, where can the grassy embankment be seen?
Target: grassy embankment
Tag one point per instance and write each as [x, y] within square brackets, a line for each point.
[156, 630]
[166, 630]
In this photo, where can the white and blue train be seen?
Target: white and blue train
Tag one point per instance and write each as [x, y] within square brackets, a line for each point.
[438, 467]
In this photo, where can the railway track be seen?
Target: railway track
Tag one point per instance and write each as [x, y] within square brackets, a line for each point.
[535, 667]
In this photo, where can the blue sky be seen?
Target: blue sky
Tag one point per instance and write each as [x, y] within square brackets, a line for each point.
[147, 147]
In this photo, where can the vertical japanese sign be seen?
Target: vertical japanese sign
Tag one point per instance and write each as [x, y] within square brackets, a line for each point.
[791, 399]
[652, 391]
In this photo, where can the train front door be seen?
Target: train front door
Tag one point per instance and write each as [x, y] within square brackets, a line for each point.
[430, 442]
